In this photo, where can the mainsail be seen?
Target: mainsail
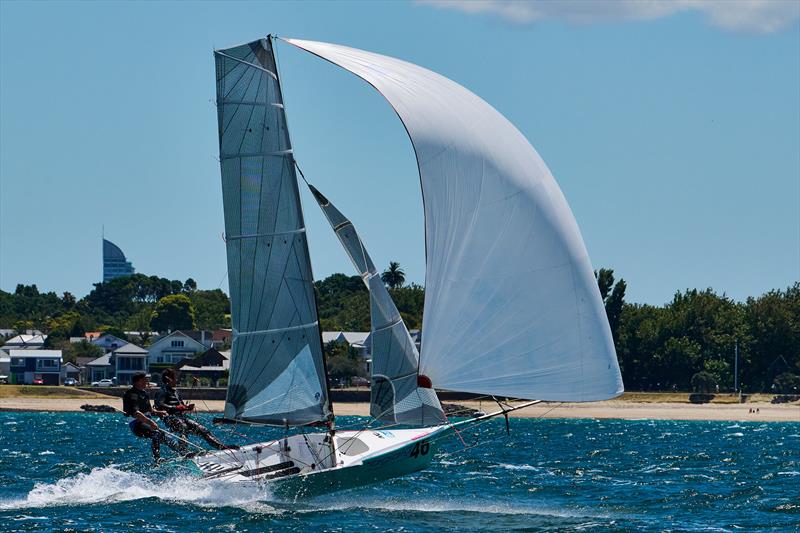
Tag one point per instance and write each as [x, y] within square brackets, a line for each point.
[395, 394]
[277, 373]
[511, 304]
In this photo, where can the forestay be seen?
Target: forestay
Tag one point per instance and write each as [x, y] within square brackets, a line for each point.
[511, 304]
[395, 396]
[277, 374]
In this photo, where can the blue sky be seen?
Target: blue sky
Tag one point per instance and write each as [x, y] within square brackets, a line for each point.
[674, 132]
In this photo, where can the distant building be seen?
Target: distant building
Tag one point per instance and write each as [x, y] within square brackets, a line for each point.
[121, 363]
[173, 348]
[25, 342]
[70, 370]
[107, 342]
[114, 263]
[360, 340]
[28, 366]
[211, 365]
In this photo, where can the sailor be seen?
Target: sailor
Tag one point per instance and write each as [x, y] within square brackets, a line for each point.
[169, 401]
[136, 404]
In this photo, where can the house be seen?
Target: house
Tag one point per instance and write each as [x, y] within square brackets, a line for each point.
[25, 342]
[99, 368]
[5, 365]
[360, 340]
[70, 370]
[108, 342]
[128, 360]
[212, 365]
[122, 364]
[29, 365]
[172, 348]
[221, 337]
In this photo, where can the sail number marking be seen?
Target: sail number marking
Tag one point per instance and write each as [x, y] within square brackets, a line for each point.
[420, 448]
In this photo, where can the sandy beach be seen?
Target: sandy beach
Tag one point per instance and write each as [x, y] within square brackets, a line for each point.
[608, 409]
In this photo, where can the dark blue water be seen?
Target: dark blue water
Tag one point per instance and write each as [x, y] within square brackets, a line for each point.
[85, 472]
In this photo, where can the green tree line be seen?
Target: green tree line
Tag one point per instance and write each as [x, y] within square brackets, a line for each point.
[688, 343]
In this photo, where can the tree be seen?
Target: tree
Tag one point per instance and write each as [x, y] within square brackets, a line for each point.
[614, 301]
[394, 276]
[605, 280]
[189, 285]
[787, 383]
[343, 362]
[69, 300]
[211, 308]
[703, 382]
[172, 313]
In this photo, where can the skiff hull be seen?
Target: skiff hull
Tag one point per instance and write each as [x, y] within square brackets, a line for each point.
[303, 465]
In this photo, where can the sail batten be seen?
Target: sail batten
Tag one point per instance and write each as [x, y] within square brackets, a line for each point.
[511, 304]
[277, 373]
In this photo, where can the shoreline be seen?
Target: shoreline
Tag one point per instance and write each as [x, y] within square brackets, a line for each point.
[610, 409]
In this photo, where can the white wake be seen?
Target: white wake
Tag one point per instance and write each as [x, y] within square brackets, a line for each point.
[110, 484]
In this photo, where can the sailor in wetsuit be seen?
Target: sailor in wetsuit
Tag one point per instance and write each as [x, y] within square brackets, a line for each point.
[168, 400]
[136, 404]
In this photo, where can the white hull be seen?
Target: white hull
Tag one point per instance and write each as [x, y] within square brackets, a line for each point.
[306, 465]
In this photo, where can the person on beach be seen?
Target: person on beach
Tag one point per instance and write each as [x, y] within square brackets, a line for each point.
[169, 401]
[136, 404]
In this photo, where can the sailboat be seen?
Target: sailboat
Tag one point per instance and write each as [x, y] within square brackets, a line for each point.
[512, 309]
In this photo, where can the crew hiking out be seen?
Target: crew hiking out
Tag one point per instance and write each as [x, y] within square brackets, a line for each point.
[168, 399]
[136, 404]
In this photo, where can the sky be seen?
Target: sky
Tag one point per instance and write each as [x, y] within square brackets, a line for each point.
[672, 127]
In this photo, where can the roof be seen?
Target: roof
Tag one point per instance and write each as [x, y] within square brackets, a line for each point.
[355, 337]
[22, 340]
[211, 358]
[131, 349]
[5, 359]
[104, 360]
[350, 337]
[181, 334]
[329, 336]
[35, 353]
[65, 365]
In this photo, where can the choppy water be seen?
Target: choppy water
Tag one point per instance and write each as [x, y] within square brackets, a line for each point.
[85, 472]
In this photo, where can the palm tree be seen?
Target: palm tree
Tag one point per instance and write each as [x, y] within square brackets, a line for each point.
[393, 276]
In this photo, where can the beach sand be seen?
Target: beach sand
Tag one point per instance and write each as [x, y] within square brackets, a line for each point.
[608, 409]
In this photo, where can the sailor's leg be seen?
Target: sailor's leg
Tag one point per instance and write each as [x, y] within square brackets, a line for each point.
[198, 429]
[176, 426]
[160, 437]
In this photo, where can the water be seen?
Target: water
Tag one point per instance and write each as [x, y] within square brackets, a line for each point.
[85, 472]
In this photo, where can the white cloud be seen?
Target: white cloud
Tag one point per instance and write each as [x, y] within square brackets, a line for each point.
[755, 16]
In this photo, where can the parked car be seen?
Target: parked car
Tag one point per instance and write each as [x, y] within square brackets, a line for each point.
[358, 381]
[70, 382]
[38, 381]
[103, 383]
[3, 380]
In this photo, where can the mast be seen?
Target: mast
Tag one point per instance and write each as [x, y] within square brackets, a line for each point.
[332, 419]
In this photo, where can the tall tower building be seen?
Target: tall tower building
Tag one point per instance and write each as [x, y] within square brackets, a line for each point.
[114, 262]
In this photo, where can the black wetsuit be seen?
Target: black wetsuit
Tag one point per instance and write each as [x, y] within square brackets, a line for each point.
[168, 399]
[136, 400]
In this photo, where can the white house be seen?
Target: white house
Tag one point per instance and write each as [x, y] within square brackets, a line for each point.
[173, 348]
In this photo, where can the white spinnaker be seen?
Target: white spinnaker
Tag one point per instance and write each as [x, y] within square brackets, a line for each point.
[511, 304]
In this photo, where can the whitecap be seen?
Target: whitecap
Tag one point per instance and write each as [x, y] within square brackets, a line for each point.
[47, 452]
[737, 434]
